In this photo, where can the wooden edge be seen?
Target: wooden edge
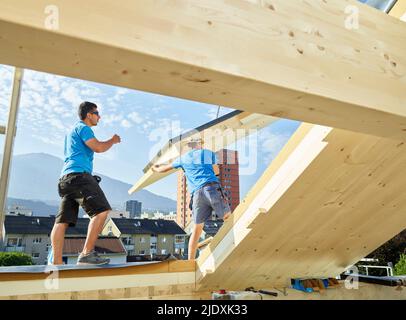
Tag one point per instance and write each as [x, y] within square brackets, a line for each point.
[162, 267]
[287, 150]
[204, 242]
[144, 180]
[399, 9]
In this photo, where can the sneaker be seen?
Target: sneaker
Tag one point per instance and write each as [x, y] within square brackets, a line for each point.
[92, 258]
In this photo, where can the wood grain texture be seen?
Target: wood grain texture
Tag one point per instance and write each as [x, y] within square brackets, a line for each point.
[346, 202]
[310, 68]
[162, 267]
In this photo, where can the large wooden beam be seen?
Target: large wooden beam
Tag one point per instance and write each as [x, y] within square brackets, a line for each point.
[329, 199]
[55, 280]
[238, 54]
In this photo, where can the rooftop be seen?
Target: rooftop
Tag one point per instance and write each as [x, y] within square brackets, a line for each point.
[104, 245]
[146, 226]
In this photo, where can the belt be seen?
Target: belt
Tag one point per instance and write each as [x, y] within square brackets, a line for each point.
[73, 174]
[211, 184]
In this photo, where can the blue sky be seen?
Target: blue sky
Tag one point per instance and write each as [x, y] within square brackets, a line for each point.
[144, 121]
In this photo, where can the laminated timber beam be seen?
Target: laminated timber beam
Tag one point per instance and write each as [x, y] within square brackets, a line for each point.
[328, 199]
[216, 135]
[132, 280]
[247, 56]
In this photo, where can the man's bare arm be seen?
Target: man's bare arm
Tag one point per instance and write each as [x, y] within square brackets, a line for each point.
[162, 168]
[216, 169]
[102, 146]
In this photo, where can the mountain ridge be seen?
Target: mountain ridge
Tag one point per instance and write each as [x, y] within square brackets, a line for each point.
[34, 177]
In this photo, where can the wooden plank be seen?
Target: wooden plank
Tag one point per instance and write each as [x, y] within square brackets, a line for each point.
[347, 201]
[162, 267]
[309, 68]
[399, 10]
[216, 135]
[151, 292]
[80, 284]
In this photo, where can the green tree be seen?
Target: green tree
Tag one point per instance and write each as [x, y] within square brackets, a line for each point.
[400, 267]
[390, 251]
[15, 259]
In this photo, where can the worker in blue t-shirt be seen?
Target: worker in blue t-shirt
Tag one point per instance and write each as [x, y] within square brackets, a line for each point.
[198, 165]
[77, 186]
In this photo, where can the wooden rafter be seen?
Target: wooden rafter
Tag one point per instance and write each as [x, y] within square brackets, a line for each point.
[237, 54]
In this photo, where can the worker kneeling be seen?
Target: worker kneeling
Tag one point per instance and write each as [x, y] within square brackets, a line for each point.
[204, 186]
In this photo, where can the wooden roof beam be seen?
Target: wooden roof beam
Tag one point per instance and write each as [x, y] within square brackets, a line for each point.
[238, 54]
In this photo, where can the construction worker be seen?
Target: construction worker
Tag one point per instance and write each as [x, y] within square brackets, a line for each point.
[199, 166]
[77, 186]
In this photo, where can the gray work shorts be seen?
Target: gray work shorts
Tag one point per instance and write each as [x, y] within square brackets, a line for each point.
[207, 199]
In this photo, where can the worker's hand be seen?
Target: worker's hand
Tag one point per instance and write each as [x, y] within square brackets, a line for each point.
[116, 139]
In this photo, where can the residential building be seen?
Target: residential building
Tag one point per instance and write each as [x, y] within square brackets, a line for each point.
[147, 215]
[229, 176]
[134, 207]
[170, 216]
[31, 235]
[16, 210]
[164, 216]
[147, 236]
[119, 214]
[106, 247]
[229, 180]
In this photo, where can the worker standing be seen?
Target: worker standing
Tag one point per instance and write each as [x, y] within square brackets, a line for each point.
[77, 186]
[199, 166]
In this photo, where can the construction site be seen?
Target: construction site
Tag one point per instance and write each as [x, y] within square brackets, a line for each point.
[334, 193]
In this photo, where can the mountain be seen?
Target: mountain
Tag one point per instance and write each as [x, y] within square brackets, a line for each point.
[38, 208]
[34, 176]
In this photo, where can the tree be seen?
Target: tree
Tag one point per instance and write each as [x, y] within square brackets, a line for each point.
[15, 259]
[390, 251]
[400, 267]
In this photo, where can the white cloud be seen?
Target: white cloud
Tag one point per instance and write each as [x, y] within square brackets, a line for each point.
[111, 119]
[271, 143]
[47, 140]
[126, 124]
[72, 95]
[212, 113]
[135, 117]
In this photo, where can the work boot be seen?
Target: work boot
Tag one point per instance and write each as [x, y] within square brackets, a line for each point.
[92, 258]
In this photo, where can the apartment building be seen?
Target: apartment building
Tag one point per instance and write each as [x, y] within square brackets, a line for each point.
[31, 235]
[147, 236]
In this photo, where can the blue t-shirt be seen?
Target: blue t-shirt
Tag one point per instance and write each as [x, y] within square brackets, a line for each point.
[78, 156]
[198, 167]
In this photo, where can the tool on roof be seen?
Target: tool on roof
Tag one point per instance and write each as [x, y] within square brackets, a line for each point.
[314, 284]
[262, 291]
